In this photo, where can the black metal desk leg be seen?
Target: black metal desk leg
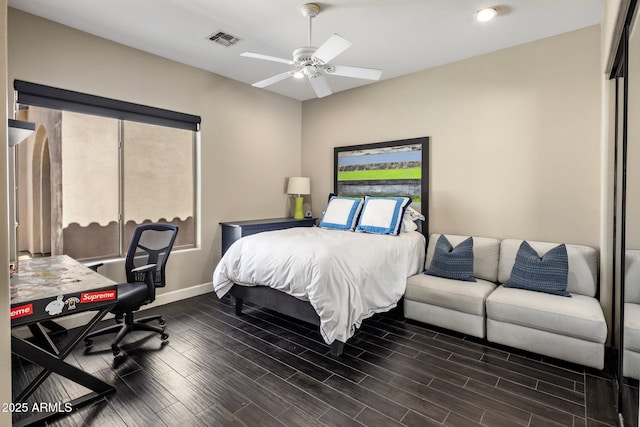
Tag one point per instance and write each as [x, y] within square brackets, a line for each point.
[53, 362]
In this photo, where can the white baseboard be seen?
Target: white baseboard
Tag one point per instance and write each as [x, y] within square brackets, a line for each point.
[81, 319]
[180, 294]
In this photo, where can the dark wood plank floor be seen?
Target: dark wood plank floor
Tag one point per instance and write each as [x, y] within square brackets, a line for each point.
[263, 369]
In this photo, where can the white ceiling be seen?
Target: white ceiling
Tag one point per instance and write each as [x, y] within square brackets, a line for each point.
[397, 36]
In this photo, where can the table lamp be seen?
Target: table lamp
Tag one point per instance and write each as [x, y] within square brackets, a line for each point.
[299, 185]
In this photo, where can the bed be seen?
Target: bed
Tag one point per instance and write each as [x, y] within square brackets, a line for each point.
[336, 277]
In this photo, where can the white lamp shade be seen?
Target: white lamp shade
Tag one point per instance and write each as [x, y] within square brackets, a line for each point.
[299, 185]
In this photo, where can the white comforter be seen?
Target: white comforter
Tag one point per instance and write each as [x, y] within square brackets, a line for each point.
[346, 276]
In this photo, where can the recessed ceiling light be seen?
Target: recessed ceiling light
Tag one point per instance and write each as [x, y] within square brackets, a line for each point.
[486, 14]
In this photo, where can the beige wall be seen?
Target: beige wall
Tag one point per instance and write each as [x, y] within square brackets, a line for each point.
[515, 138]
[5, 347]
[250, 138]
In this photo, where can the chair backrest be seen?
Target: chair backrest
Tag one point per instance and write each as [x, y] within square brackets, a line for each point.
[485, 254]
[150, 244]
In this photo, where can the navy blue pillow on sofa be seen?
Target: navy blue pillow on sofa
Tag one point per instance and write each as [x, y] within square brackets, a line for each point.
[542, 274]
[452, 263]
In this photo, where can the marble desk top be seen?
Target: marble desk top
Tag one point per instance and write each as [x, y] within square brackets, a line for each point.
[54, 286]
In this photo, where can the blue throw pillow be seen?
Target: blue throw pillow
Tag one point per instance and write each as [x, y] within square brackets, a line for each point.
[542, 274]
[452, 263]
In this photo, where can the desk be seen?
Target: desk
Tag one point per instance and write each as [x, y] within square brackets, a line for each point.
[48, 288]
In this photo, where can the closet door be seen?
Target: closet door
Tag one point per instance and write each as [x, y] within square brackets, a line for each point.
[630, 168]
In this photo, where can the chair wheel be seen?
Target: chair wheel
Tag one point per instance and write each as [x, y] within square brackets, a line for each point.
[161, 321]
[88, 342]
[164, 336]
[115, 350]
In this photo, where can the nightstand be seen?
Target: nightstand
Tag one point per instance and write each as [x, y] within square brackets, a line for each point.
[233, 230]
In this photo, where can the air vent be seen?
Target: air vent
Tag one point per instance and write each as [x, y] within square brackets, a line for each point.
[224, 39]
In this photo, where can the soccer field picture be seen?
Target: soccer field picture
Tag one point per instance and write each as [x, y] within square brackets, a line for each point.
[382, 170]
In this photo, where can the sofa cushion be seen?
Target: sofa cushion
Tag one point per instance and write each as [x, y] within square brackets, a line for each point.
[546, 273]
[579, 317]
[452, 262]
[583, 264]
[485, 254]
[632, 275]
[632, 326]
[457, 295]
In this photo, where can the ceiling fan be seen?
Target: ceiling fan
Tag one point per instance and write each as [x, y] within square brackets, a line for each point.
[313, 62]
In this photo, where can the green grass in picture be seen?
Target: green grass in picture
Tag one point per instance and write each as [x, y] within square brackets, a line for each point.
[411, 173]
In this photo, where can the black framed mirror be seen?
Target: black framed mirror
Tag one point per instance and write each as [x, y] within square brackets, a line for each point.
[626, 215]
[630, 312]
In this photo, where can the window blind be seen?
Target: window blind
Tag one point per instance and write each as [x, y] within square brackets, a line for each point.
[62, 99]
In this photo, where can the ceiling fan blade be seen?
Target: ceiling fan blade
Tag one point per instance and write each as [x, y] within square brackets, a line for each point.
[320, 85]
[333, 47]
[266, 57]
[356, 72]
[273, 79]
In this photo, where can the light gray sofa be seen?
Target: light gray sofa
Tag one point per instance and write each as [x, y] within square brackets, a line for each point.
[455, 304]
[631, 332]
[571, 329]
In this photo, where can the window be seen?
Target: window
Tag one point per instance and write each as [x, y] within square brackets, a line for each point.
[85, 180]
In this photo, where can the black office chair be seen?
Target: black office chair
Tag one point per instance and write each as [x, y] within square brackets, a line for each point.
[145, 264]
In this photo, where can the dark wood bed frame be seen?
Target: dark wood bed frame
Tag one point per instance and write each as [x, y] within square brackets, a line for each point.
[286, 304]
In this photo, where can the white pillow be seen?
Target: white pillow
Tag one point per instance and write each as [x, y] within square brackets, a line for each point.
[408, 225]
[413, 214]
[341, 213]
[409, 219]
[382, 215]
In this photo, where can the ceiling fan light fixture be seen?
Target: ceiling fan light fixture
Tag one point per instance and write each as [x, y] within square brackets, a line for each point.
[311, 71]
[313, 63]
[486, 14]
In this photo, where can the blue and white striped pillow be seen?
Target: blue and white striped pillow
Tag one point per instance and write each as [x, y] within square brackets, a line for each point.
[341, 213]
[548, 273]
[382, 215]
[452, 263]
